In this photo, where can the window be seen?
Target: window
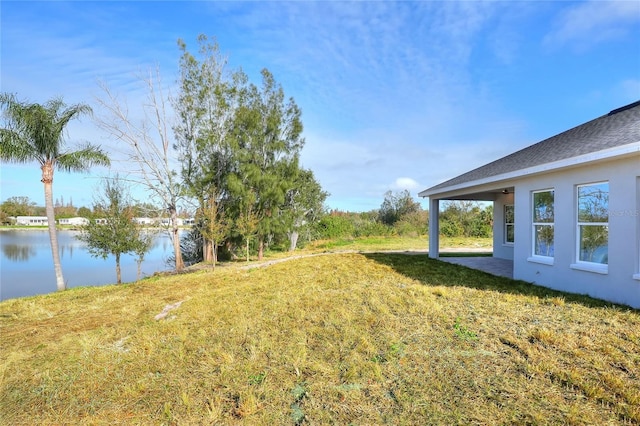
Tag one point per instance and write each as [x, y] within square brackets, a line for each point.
[543, 223]
[509, 221]
[593, 223]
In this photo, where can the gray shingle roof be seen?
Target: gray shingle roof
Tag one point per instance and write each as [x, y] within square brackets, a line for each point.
[620, 127]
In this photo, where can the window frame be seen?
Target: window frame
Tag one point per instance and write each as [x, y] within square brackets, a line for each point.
[586, 265]
[535, 257]
[506, 224]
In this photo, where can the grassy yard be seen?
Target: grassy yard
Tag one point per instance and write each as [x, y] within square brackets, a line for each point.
[400, 243]
[351, 338]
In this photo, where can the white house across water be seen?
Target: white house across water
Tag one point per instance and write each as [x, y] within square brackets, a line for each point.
[74, 221]
[32, 220]
[566, 209]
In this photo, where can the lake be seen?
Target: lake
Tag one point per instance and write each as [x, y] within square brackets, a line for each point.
[26, 264]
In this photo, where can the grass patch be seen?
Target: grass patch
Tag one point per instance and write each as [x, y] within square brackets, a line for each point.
[334, 339]
[369, 243]
[399, 243]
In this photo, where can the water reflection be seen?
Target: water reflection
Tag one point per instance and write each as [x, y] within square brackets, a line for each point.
[26, 264]
[22, 245]
[18, 252]
[66, 250]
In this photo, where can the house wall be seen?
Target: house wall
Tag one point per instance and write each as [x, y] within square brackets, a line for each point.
[637, 268]
[74, 221]
[500, 248]
[32, 220]
[621, 282]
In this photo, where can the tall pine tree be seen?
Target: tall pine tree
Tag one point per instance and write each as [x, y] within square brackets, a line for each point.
[267, 139]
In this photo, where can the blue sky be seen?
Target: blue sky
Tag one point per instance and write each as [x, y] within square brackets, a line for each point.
[394, 95]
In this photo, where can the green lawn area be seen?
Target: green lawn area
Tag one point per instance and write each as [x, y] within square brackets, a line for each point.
[337, 338]
[400, 243]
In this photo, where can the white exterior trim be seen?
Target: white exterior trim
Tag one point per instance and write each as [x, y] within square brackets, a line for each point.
[581, 160]
[434, 228]
[543, 260]
[590, 267]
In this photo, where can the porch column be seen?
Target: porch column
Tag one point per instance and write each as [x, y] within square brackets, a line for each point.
[434, 227]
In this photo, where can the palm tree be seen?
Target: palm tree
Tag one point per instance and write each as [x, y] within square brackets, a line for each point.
[35, 132]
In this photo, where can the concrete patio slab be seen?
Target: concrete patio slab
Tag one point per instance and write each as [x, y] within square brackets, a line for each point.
[491, 265]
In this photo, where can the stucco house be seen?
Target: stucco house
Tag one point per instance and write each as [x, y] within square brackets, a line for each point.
[32, 220]
[566, 209]
[144, 220]
[73, 221]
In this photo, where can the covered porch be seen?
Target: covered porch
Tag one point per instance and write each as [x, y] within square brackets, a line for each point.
[503, 198]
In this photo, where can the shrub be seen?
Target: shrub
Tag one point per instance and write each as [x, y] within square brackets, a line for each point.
[372, 229]
[405, 228]
[450, 228]
[335, 226]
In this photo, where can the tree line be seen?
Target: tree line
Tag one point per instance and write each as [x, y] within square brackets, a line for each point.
[399, 214]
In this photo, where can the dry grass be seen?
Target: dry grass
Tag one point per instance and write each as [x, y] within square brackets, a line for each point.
[334, 339]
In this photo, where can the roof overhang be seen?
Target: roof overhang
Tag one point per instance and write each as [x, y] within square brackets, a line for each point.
[481, 188]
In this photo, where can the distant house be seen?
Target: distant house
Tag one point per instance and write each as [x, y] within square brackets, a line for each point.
[180, 221]
[74, 221]
[144, 220]
[32, 220]
[566, 209]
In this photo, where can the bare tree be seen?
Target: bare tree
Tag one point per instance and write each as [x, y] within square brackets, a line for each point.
[147, 143]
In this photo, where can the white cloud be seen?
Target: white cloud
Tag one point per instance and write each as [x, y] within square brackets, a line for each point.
[407, 183]
[589, 23]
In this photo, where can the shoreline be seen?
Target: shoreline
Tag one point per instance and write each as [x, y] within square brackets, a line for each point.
[70, 228]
